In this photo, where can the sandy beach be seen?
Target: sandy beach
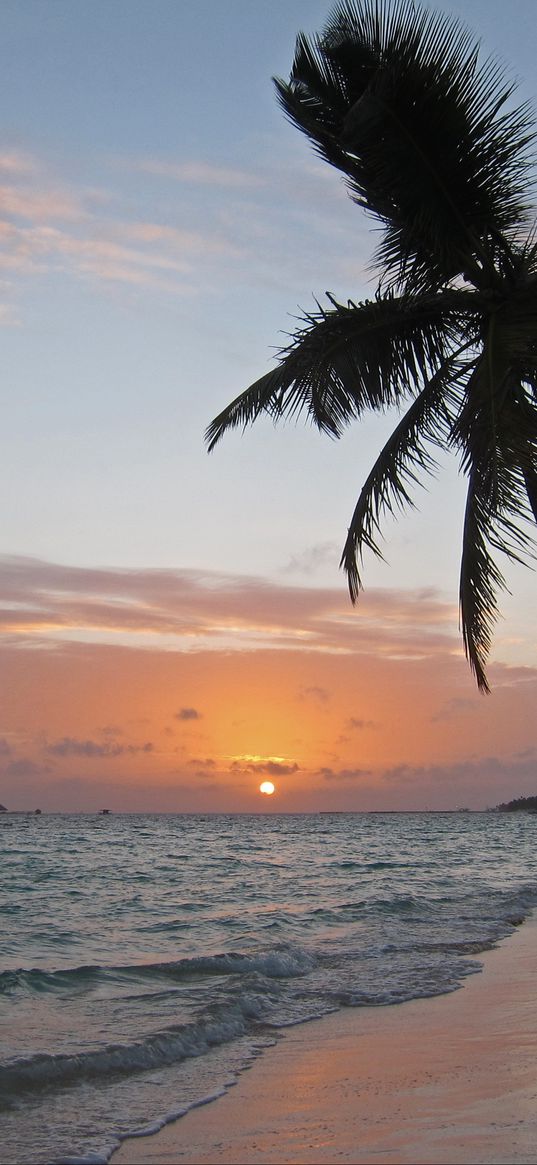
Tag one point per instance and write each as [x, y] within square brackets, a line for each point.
[450, 1080]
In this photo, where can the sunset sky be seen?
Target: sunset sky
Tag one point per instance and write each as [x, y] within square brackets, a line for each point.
[175, 627]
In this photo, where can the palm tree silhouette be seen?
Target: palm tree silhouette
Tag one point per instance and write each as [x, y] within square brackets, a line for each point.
[396, 98]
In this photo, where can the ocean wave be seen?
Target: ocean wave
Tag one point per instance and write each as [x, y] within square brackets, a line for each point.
[280, 962]
[45, 1070]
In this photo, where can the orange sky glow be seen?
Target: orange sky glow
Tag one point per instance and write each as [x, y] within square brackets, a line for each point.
[168, 691]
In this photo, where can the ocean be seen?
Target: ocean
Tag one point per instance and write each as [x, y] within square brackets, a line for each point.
[145, 961]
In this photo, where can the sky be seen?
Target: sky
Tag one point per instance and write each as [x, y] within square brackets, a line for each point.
[175, 626]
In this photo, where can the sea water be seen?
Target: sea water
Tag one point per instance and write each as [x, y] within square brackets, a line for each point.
[146, 960]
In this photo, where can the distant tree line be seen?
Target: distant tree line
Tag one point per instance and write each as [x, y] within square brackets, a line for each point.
[519, 805]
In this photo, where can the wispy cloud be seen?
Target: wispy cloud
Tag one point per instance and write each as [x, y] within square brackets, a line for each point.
[344, 775]
[453, 708]
[86, 233]
[312, 559]
[185, 608]
[40, 205]
[41, 249]
[315, 692]
[178, 235]
[467, 781]
[187, 242]
[25, 767]
[69, 746]
[17, 162]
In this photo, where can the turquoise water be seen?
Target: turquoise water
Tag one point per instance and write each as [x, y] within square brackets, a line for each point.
[145, 960]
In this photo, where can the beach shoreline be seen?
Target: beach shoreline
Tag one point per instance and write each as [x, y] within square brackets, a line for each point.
[449, 1080]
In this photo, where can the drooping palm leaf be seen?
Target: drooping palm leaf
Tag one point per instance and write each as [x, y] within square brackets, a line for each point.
[404, 458]
[480, 582]
[496, 517]
[530, 480]
[496, 431]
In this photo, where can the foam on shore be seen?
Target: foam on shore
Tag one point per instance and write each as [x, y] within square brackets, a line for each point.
[444, 1081]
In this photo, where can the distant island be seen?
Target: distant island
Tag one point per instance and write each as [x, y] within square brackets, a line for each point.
[519, 805]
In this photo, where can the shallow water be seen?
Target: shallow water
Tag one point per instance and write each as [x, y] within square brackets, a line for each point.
[146, 959]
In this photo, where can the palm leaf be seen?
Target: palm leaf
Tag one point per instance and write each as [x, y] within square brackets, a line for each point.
[395, 97]
[497, 433]
[480, 580]
[530, 479]
[403, 459]
[350, 358]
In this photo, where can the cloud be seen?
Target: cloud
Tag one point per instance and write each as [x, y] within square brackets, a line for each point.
[5, 747]
[69, 746]
[275, 768]
[315, 557]
[329, 774]
[187, 242]
[355, 724]
[55, 225]
[188, 714]
[469, 780]
[315, 692]
[24, 767]
[41, 248]
[40, 205]
[269, 767]
[48, 226]
[455, 707]
[185, 608]
[16, 162]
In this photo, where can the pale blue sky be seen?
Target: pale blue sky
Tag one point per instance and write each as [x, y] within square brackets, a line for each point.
[161, 223]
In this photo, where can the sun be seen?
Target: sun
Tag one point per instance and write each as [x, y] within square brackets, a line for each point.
[267, 788]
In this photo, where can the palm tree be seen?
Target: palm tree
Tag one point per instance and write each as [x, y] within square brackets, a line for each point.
[396, 98]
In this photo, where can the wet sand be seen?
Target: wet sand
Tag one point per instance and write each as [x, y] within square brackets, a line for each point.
[450, 1080]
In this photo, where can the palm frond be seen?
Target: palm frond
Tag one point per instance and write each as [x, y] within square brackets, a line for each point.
[516, 313]
[497, 432]
[530, 478]
[480, 581]
[403, 459]
[349, 358]
[395, 97]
